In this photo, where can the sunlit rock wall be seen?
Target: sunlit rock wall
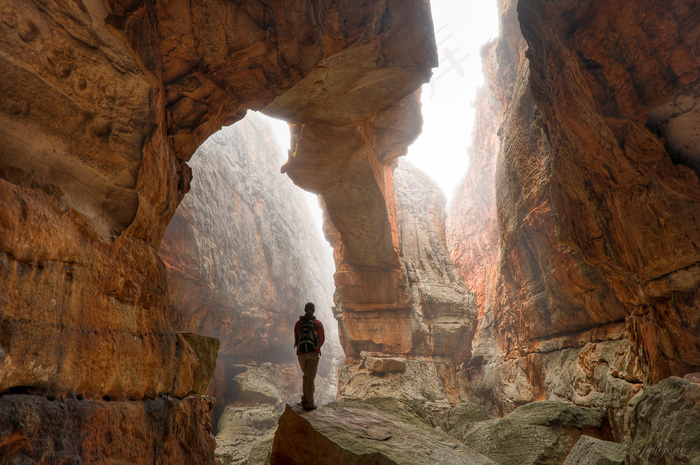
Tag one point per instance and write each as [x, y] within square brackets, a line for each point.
[425, 339]
[592, 288]
[243, 255]
[103, 104]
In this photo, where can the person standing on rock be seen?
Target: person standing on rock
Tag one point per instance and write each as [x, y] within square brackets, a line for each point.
[308, 339]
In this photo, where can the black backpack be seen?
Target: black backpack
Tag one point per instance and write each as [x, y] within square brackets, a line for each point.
[307, 337]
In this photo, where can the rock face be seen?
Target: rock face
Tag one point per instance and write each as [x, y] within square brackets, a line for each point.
[34, 429]
[378, 431]
[436, 324]
[103, 103]
[536, 433]
[665, 425]
[593, 267]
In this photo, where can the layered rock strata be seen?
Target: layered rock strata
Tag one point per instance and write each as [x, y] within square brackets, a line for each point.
[593, 267]
[435, 322]
[104, 102]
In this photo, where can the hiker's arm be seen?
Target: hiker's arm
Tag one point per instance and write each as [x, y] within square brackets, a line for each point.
[321, 334]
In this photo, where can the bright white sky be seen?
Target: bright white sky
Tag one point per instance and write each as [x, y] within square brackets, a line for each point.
[461, 28]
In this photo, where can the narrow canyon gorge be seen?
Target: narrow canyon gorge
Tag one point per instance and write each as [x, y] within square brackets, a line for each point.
[156, 247]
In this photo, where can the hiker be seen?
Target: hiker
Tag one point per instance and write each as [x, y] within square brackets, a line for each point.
[308, 339]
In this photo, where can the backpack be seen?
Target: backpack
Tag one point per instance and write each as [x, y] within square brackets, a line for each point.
[307, 337]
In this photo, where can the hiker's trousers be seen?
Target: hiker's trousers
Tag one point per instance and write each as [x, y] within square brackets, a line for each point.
[309, 365]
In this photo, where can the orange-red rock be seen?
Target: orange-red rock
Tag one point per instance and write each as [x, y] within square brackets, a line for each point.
[595, 206]
[103, 102]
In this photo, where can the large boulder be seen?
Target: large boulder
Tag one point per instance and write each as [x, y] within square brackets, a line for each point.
[536, 433]
[665, 424]
[592, 451]
[380, 432]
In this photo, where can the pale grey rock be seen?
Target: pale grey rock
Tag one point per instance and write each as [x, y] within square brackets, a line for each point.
[382, 432]
[537, 433]
[665, 424]
[592, 451]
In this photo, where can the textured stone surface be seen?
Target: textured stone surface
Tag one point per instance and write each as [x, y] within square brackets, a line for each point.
[536, 433]
[576, 223]
[163, 431]
[385, 365]
[102, 104]
[244, 432]
[422, 379]
[592, 451]
[665, 424]
[363, 433]
[434, 323]
[243, 255]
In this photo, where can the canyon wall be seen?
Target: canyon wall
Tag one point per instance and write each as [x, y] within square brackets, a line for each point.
[243, 255]
[578, 225]
[411, 352]
[104, 103]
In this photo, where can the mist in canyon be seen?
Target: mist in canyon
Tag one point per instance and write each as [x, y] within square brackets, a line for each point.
[157, 244]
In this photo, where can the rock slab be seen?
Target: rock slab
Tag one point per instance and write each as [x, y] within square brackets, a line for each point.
[592, 451]
[363, 433]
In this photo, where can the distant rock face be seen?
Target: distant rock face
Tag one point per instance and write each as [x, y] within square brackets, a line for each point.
[378, 431]
[436, 320]
[243, 255]
[593, 264]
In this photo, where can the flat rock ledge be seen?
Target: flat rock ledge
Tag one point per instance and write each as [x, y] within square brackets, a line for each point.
[357, 432]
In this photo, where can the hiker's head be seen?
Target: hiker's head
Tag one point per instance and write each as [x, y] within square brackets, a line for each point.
[309, 308]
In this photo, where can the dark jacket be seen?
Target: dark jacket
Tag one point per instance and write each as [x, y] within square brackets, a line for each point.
[319, 330]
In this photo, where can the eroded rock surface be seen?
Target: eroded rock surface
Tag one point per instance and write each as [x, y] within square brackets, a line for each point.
[103, 104]
[163, 431]
[378, 432]
[536, 433]
[665, 424]
[592, 451]
[573, 224]
[433, 327]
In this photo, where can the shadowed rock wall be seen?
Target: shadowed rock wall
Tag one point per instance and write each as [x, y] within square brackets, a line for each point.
[589, 289]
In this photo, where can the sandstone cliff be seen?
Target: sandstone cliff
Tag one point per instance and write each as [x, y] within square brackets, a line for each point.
[243, 255]
[589, 288]
[103, 103]
[430, 329]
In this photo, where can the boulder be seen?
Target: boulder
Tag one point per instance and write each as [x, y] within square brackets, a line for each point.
[592, 451]
[385, 365]
[536, 433]
[665, 424]
[245, 434]
[361, 433]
